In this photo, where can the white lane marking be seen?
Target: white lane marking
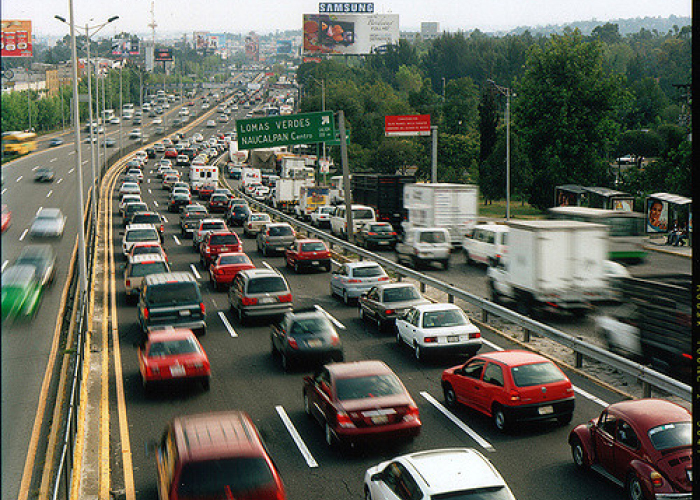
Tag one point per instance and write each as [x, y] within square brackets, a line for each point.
[19, 178]
[34, 169]
[330, 317]
[38, 211]
[268, 266]
[165, 219]
[4, 265]
[228, 326]
[491, 345]
[310, 461]
[71, 171]
[48, 195]
[3, 191]
[23, 234]
[464, 427]
[590, 396]
[149, 181]
[176, 240]
[194, 271]
[150, 192]
[60, 180]
[335, 263]
[155, 202]
[53, 160]
[72, 153]
[84, 162]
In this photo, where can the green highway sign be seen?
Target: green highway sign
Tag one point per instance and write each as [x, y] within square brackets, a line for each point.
[336, 141]
[273, 131]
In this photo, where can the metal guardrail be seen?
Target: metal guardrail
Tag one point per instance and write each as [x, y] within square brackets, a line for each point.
[648, 377]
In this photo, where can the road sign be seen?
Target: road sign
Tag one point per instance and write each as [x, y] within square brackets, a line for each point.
[402, 125]
[336, 141]
[273, 131]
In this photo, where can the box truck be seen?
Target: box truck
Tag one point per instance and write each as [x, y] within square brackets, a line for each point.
[384, 193]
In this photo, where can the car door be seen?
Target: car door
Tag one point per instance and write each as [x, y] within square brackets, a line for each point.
[626, 449]
[320, 403]
[292, 253]
[370, 302]
[491, 387]
[407, 326]
[467, 381]
[337, 279]
[604, 441]
[279, 334]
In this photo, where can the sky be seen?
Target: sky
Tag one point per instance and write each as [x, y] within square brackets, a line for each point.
[265, 16]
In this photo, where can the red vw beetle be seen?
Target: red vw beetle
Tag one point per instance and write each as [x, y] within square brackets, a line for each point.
[642, 445]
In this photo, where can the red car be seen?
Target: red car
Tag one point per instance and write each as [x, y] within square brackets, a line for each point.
[643, 445]
[308, 253]
[206, 190]
[358, 401]
[6, 218]
[226, 266]
[216, 242]
[173, 355]
[170, 153]
[218, 203]
[511, 386]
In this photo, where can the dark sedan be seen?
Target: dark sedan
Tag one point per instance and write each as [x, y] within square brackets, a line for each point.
[43, 174]
[238, 215]
[384, 303]
[178, 200]
[376, 235]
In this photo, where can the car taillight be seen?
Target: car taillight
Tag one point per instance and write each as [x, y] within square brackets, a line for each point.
[354, 281]
[202, 309]
[344, 420]
[475, 335]
[162, 228]
[249, 301]
[384, 278]
[285, 298]
[372, 234]
[393, 233]
[128, 282]
[656, 479]
[430, 340]
[145, 313]
[514, 396]
[412, 414]
[389, 311]
[206, 249]
[335, 340]
[292, 343]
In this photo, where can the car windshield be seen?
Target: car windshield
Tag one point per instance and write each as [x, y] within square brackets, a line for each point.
[536, 374]
[145, 268]
[362, 213]
[241, 210]
[368, 272]
[233, 259]
[267, 284]
[673, 435]
[173, 293]
[326, 210]
[432, 237]
[142, 235]
[224, 239]
[173, 348]
[280, 231]
[400, 294]
[234, 476]
[442, 319]
[370, 386]
[316, 246]
[311, 327]
[486, 493]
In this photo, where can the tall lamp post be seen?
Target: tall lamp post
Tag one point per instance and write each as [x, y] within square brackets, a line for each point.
[88, 33]
[508, 93]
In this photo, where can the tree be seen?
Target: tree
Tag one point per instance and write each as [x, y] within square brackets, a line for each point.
[564, 115]
[460, 107]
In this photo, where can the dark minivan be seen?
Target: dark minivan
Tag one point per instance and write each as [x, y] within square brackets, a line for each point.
[171, 299]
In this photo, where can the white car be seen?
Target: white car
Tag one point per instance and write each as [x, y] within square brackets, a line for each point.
[620, 331]
[142, 156]
[486, 244]
[114, 120]
[157, 121]
[355, 278]
[322, 216]
[197, 137]
[261, 193]
[438, 328]
[139, 233]
[126, 199]
[211, 123]
[129, 188]
[444, 473]
[48, 223]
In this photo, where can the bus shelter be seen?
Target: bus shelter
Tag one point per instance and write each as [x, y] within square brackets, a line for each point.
[664, 211]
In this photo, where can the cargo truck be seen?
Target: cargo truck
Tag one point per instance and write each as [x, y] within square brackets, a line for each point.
[450, 206]
[286, 193]
[311, 198]
[384, 193]
[557, 266]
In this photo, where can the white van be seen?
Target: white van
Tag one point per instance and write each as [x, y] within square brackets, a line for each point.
[361, 215]
[203, 174]
[486, 244]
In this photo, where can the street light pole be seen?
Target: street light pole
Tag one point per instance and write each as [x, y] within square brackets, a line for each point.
[508, 93]
[92, 124]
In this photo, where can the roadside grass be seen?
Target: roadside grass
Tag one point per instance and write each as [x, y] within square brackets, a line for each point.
[518, 210]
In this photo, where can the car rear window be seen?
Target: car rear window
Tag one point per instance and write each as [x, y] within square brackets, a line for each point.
[367, 272]
[266, 284]
[280, 231]
[432, 237]
[673, 435]
[400, 294]
[146, 219]
[362, 213]
[219, 198]
[442, 319]
[142, 235]
[136, 207]
[536, 374]
[485, 493]
[224, 239]
[224, 477]
[145, 268]
[139, 250]
[371, 386]
[380, 228]
[311, 327]
[173, 348]
[173, 293]
[233, 259]
[313, 247]
[208, 226]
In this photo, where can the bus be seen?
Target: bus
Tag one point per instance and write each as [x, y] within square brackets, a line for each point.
[625, 229]
[18, 143]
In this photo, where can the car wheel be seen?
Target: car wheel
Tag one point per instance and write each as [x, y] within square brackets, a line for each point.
[399, 340]
[446, 264]
[330, 438]
[495, 296]
[417, 351]
[241, 316]
[450, 396]
[296, 267]
[346, 299]
[307, 405]
[469, 259]
[634, 487]
[264, 250]
[499, 418]
[368, 496]
[363, 315]
[578, 454]
[331, 290]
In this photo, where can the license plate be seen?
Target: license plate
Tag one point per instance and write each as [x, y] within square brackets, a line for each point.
[279, 249]
[224, 249]
[266, 300]
[177, 371]
[380, 419]
[383, 242]
[314, 262]
[185, 313]
[453, 338]
[545, 410]
[314, 343]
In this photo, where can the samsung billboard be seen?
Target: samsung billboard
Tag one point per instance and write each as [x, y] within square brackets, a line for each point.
[345, 8]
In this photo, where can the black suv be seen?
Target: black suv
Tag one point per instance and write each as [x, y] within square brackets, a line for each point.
[171, 299]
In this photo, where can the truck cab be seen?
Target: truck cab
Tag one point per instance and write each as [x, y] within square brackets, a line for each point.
[424, 245]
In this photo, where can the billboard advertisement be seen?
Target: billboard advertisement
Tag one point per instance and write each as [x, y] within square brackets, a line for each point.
[405, 125]
[16, 38]
[125, 47]
[252, 47]
[163, 55]
[201, 40]
[284, 46]
[657, 216]
[354, 34]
